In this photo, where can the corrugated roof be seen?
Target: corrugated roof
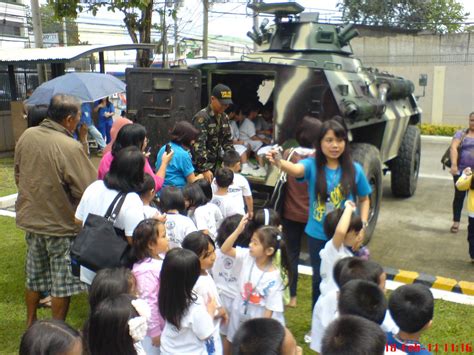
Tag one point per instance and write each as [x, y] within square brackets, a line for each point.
[61, 54]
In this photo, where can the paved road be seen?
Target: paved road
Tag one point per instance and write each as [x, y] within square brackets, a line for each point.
[413, 233]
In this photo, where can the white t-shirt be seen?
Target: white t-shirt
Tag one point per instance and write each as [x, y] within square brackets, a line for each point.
[97, 199]
[247, 130]
[239, 189]
[234, 130]
[226, 272]
[150, 211]
[178, 227]
[194, 335]
[205, 287]
[324, 312]
[208, 217]
[329, 257]
[227, 206]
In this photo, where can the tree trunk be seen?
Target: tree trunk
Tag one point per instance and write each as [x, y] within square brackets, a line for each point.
[143, 56]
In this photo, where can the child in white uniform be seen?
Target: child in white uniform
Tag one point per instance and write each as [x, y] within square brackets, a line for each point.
[344, 227]
[260, 283]
[205, 215]
[177, 225]
[203, 246]
[226, 270]
[221, 197]
[147, 195]
[189, 320]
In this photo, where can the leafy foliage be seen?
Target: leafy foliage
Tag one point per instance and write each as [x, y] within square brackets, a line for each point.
[51, 25]
[439, 16]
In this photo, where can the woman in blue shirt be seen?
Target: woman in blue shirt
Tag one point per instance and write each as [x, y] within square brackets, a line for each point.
[180, 169]
[106, 111]
[332, 179]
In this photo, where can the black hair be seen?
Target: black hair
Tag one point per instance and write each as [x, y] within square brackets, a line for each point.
[145, 234]
[230, 158]
[205, 187]
[108, 283]
[49, 337]
[227, 227]
[352, 335]
[338, 267]
[183, 133]
[109, 332]
[259, 336]
[345, 160]
[61, 106]
[332, 219]
[36, 115]
[179, 273]
[126, 171]
[411, 307]
[123, 113]
[194, 194]
[198, 242]
[129, 135]
[259, 220]
[364, 299]
[250, 107]
[307, 131]
[171, 198]
[224, 177]
[271, 237]
[359, 269]
[148, 184]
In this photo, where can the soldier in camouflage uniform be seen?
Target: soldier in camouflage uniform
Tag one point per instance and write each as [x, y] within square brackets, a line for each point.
[215, 134]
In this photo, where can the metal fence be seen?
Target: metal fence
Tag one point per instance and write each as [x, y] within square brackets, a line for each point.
[26, 79]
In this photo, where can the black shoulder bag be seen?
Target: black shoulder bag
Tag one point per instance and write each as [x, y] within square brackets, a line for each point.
[446, 158]
[99, 244]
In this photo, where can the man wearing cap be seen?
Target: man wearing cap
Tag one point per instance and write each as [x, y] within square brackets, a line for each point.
[215, 134]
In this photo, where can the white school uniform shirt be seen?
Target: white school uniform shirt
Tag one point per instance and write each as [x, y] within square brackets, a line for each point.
[208, 217]
[324, 312]
[97, 199]
[149, 211]
[234, 130]
[195, 334]
[226, 272]
[247, 130]
[329, 257]
[205, 287]
[227, 206]
[177, 228]
[259, 290]
[239, 189]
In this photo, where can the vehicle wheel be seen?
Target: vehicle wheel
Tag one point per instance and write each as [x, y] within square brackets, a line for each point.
[369, 157]
[405, 167]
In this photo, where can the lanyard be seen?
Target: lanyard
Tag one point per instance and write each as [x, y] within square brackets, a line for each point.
[246, 301]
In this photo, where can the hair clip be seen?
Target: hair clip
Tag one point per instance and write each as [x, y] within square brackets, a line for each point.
[266, 212]
[137, 326]
[278, 237]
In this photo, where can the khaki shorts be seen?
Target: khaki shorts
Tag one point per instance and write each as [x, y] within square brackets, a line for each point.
[48, 265]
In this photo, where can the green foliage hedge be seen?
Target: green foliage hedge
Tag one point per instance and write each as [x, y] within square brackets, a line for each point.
[439, 130]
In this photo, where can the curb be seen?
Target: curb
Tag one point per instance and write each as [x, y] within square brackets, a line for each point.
[7, 201]
[437, 282]
[436, 139]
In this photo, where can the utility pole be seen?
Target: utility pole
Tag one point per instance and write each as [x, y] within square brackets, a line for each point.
[38, 34]
[176, 47]
[255, 23]
[205, 33]
[164, 41]
[64, 33]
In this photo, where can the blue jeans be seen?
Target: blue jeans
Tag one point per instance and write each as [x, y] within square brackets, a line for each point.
[94, 132]
[315, 246]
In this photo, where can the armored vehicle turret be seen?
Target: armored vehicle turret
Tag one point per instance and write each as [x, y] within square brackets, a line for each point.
[301, 68]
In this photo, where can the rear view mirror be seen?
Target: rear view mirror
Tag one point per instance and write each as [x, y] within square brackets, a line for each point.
[423, 80]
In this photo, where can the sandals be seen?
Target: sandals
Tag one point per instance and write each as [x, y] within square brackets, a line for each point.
[454, 228]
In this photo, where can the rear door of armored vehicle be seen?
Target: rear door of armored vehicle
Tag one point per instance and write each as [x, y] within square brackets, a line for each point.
[157, 98]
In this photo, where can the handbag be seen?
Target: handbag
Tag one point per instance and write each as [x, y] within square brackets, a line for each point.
[446, 158]
[278, 196]
[99, 244]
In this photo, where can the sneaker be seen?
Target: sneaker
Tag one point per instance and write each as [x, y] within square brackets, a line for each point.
[260, 172]
[307, 338]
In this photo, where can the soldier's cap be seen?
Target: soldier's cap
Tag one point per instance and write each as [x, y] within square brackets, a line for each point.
[222, 93]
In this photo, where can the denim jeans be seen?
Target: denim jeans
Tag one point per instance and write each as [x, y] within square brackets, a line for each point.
[294, 233]
[315, 246]
[94, 132]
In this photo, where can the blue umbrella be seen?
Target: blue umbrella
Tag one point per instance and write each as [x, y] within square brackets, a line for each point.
[85, 86]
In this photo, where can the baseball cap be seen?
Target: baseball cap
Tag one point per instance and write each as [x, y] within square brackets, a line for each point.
[222, 93]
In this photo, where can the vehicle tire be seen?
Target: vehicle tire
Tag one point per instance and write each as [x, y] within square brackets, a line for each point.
[405, 167]
[368, 156]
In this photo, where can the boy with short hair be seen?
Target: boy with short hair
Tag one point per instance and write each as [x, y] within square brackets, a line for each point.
[353, 335]
[221, 197]
[239, 190]
[412, 308]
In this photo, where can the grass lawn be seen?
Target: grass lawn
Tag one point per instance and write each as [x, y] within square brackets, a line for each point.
[453, 323]
[7, 179]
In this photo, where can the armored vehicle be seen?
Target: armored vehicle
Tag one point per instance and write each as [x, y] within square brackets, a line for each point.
[301, 68]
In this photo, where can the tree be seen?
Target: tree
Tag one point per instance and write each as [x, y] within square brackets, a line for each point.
[137, 18]
[440, 16]
[52, 25]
